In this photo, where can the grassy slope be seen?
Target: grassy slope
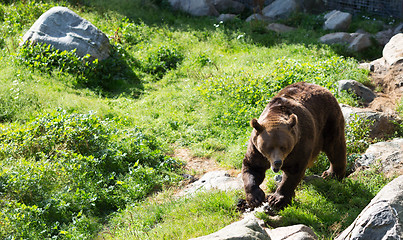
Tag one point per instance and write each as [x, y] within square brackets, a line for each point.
[228, 73]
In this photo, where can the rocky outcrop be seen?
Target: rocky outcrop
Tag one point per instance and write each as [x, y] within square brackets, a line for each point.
[337, 21]
[65, 30]
[388, 154]
[383, 217]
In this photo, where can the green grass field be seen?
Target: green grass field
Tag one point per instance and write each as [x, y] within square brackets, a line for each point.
[85, 146]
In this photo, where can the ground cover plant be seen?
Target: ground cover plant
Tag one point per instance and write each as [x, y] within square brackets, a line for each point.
[84, 143]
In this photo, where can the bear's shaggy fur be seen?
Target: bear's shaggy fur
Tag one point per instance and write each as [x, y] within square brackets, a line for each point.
[299, 122]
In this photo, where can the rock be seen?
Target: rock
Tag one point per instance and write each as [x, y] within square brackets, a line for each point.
[65, 30]
[383, 37]
[393, 50]
[226, 17]
[358, 89]
[246, 229]
[279, 28]
[337, 20]
[295, 232]
[219, 180]
[228, 6]
[255, 17]
[383, 217]
[390, 155]
[281, 9]
[195, 7]
[360, 42]
[382, 126]
[338, 37]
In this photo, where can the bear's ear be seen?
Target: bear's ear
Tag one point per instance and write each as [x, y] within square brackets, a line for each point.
[253, 123]
[292, 121]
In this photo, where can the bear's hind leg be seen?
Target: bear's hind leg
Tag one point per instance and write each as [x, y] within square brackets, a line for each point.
[336, 153]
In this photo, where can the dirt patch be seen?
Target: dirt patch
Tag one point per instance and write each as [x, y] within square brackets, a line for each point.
[388, 84]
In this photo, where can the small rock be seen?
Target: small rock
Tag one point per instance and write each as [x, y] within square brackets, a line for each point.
[338, 37]
[279, 28]
[337, 20]
[195, 7]
[226, 17]
[219, 180]
[358, 89]
[360, 42]
[65, 30]
[246, 229]
[383, 37]
[255, 17]
[295, 232]
[398, 29]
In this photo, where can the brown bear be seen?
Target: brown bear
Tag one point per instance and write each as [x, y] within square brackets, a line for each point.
[299, 122]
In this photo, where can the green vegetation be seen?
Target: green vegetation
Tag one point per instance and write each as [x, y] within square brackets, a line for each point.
[85, 144]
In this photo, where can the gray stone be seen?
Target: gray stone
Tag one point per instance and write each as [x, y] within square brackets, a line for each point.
[358, 89]
[295, 232]
[215, 180]
[382, 122]
[279, 28]
[338, 37]
[65, 30]
[228, 6]
[383, 37]
[195, 7]
[388, 154]
[280, 9]
[360, 42]
[382, 218]
[393, 50]
[246, 229]
[337, 20]
[226, 17]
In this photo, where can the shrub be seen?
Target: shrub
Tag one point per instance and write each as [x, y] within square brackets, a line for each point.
[64, 172]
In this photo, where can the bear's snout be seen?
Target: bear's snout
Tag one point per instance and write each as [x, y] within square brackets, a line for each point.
[277, 165]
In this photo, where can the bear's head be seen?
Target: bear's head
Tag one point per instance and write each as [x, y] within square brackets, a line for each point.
[275, 139]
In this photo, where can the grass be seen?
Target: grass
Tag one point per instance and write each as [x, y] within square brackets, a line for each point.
[172, 80]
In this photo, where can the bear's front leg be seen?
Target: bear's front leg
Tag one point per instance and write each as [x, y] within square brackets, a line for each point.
[252, 178]
[285, 191]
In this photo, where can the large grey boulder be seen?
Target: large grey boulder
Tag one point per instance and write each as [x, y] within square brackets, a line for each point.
[336, 38]
[382, 219]
[246, 229]
[215, 180]
[65, 30]
[280, 9]
[383, 37]
[295, 232]
[337, 20]
[358, 89]
[195, 7]
[388, 154]
[360, 42]
[393, 50]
